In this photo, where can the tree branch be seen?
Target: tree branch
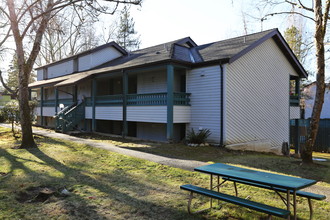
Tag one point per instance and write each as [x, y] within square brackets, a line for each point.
[300, 5]
[326, 16]
[12, 92]
[286, 12]
[6, 37]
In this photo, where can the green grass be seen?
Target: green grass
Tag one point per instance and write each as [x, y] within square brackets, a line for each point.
[106, 185]
[270, 162]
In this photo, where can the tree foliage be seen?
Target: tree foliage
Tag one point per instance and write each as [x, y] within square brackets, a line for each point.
[294, 38]
[126, 35]
[11, 86]
[10, 113]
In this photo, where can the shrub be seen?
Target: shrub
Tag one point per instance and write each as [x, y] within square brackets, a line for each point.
[2, 117]
[198, 137]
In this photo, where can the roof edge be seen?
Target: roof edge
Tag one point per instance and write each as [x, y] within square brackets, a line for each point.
[280, 41]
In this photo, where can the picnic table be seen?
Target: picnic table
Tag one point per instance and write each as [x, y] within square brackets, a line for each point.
[276, 182]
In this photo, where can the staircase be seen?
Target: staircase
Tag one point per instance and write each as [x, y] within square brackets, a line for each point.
[69, 117]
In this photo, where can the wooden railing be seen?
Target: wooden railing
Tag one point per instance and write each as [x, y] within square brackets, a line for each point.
[51, 102]
[140, 99]
[294, 100]
[70, 117]
[132, 100]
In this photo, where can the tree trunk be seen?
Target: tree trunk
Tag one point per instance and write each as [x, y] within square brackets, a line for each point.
[320, 30]
[25, 116]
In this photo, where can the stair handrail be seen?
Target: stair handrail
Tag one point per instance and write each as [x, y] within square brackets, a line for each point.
[58, 114]
[74, 107]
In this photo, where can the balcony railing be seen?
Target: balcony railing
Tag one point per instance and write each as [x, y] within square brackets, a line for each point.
[51, 102]
[132, 100]
[140, 99]
[294, 100]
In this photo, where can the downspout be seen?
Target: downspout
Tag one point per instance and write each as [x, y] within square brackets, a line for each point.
[221, 104]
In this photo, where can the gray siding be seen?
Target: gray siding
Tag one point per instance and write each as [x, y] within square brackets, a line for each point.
[204, 86]
[97, 58]
[40, 75]
[108, 113]
[294, 112]
[84, 63]
[151, 82]
[151, 131]
[60, 69]
[157, 114]
[257, 96]
[181, 114]
[84, 89]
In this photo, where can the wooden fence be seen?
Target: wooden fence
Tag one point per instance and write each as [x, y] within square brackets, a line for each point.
[322, 143]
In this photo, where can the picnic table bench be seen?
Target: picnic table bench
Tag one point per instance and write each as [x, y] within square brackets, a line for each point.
[278, 183]
[299, 193]
[270, 210]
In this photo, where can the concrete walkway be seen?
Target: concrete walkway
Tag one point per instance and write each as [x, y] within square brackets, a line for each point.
[178, 163]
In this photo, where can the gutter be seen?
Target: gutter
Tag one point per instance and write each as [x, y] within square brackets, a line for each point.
[221, 104]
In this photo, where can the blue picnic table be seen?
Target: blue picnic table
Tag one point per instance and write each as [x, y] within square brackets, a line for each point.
[276, 182]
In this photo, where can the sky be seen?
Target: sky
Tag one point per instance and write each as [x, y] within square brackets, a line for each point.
[205, 21]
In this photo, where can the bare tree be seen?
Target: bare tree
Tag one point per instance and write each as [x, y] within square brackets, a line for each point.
[316, 11]
[67, 34]
[31, 17]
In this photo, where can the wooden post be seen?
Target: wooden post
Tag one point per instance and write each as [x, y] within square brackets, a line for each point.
[125, 92]
[93, 104]
[41, 105]
[170, 97]
[56, 99]
[297, 141]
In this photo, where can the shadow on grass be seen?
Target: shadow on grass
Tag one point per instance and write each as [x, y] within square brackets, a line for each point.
[319, 170]
[138, 207]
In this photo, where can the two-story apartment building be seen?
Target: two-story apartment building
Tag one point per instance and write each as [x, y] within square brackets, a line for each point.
[238, 88]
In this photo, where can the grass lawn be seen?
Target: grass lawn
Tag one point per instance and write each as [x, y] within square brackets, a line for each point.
[106, 185]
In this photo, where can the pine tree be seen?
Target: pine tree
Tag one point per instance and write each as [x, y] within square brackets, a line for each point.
[294, 38]
[12, 82]
[126, 34]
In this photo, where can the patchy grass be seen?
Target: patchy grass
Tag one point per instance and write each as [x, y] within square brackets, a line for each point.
[288, 165]
[106, 185]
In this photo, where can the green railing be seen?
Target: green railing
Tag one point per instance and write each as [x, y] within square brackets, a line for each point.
[132, 100]
[51, 102]
[140, 99]
[294, 100]
[70, 117]
[47, 103]
[147, 99]
[181, 98]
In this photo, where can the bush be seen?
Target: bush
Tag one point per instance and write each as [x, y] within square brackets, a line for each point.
[2, 117]
[198, 137]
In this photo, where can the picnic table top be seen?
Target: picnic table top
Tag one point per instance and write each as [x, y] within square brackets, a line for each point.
[254, 176]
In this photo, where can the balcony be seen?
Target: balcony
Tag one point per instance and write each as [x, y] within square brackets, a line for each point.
[294, 100]
[51, 102]
[154, 99]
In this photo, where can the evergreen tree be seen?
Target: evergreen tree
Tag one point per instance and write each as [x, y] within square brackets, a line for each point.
[126, 34]
[294, 38]
[11, 86]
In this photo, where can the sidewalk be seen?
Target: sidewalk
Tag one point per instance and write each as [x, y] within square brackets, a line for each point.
[178, 163]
